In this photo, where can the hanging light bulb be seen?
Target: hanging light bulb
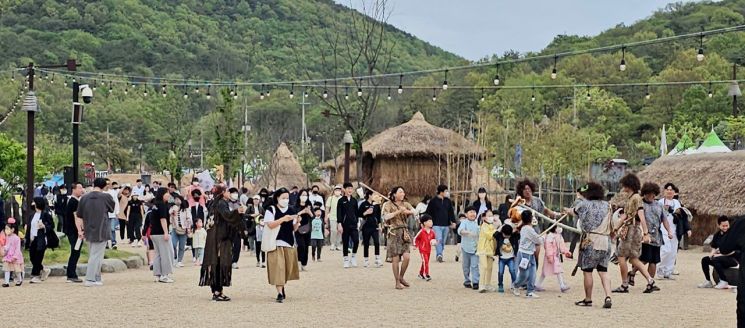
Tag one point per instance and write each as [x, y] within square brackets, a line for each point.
[13, 76]
[52, 80]
[268, 91]
[401, 84]
[235, 95]
[553, 72]
[111, 89]
[305, 93]
[622, 67]
[346, 93]
[588, 93]
[196, 89]
[434, 94]
[445, 83]
[389, 93]
[126, 91]
[496, 77]
[647, 95]
[65, 83]
[163, 88]
[261, 95]
[711, 93]
[144, 91]
[325, 91]
[232, 91]
[95, 85]
[700, 54]
[532, 96]
[186, 93]
[482, 94]
[209, 95]
[359, 89]
[292, 90]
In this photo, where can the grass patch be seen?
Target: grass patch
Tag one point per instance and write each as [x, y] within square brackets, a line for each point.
[60, 255]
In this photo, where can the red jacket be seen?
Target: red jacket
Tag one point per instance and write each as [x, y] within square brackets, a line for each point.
[423, 239]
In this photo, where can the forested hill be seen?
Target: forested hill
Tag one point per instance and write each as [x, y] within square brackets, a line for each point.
[201, 39]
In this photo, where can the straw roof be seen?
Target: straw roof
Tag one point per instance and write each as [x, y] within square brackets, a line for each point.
[283, 171]
[415, 138]
[712, 184]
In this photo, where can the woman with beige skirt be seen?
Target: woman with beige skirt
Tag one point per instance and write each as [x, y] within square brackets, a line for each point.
[282, 262]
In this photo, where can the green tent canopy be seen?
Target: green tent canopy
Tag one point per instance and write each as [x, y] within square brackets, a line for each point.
[684, 146]
[712, 144]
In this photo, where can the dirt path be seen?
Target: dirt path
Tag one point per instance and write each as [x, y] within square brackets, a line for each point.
[327, 294]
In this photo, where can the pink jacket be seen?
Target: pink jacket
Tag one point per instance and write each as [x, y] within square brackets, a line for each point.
[554, 246]
[12, 249]
[190, 199]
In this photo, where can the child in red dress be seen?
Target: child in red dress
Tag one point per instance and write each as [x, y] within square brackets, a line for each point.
[424, 241]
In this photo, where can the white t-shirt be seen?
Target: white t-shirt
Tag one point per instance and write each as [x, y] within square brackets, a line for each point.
[35, 225]
[139, 191]
[115, 195]
[315, 199]
[269, 217]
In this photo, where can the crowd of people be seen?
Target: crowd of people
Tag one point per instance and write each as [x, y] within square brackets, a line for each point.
[287, 229]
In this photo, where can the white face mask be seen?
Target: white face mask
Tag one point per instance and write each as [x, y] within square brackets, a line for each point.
[303, 198]
[283, 203]
[234, 196]
[447, 194]
[489, 219]
[195, 183]
[63, 192]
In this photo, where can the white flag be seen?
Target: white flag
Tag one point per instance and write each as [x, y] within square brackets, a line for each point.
[663, 142]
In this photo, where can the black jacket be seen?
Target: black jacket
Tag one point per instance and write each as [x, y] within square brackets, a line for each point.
[682, 224]
[372, 221]
[734, 240]
[347, 212]
[60, 204]
[441, 211]
[45, 218]
[514, 240]
[477, 205]
[70, 229]
[503, 210]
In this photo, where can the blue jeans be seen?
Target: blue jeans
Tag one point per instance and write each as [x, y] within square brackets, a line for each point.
[114, 223]
[510, 264]
[441, 234]
[525, 276]
[179, 245]
[470, 268]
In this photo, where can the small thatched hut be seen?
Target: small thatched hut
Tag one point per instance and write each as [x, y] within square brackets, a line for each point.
[710, 185]
[416, 155]
[284, 170]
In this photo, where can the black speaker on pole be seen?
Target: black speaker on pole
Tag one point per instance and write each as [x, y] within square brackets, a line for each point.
[68, 177]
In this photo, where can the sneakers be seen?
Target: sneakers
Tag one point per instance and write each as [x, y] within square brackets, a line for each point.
[88, 283]
[113, 246]
[427, 278]
[722, 285]
[421, 276]
[302, 268]
[540, 289]
[346, 263]
[500, 289]
[378, 262]
[165, 280]
[354, 261]
[35, 280]
[706, 284]
[565, 289]
[475, 286]
[263, 264]
[180, 264]
[45, 274]
[74, 280]
[439, 258]
[235, 265]
[258, 264]
[5, 285]
[483, 290]
[515, 291]
[532, 295]
[367, 263]
[467, 284]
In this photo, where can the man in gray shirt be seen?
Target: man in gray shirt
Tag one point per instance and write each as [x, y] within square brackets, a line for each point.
[93, 226]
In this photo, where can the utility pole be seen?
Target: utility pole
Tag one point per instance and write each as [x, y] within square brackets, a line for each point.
[201, 151]
[734, 96]
[246, 129]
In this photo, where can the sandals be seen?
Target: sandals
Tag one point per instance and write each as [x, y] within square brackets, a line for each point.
[404, 283]
[621, 289]
[220, 298]
[631, 278]
[651, 288]
[583, 303]
[608, 303]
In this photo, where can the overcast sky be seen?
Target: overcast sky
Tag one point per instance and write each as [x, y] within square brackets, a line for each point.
[478, 28]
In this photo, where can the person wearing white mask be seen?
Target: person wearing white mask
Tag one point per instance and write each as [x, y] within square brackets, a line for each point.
[315, 196]
[302, 235]
[234, 203]
[282, 262]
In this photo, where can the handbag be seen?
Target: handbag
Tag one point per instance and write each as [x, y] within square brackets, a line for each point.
[304, 229]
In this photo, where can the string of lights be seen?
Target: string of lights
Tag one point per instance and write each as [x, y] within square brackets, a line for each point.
[149, 80]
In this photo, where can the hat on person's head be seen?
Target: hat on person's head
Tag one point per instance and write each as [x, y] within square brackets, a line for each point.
[338, 187]
[257, 197]
[11, 220]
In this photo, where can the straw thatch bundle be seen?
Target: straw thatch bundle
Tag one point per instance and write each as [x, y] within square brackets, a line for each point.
[284, 170]
[710, 185]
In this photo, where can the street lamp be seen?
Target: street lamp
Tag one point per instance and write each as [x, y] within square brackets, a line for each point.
[139, 148]
[348, 141]
[77, 118]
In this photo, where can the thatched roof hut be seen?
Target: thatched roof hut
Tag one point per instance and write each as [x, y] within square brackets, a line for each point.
[284, 170]
[416, 155]
[710, 185]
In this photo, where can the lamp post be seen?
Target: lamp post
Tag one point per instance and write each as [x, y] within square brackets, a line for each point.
[348, 141]
[139, 149]
[30, 106]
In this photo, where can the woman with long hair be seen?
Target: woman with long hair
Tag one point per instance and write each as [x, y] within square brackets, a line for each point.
[159, 236]
[395, 212]
[482, 203]
[39, 223]
[302, 235]
[218, 249]
[181, 224]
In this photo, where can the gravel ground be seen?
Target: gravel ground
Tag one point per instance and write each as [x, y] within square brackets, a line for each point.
[327, 294]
